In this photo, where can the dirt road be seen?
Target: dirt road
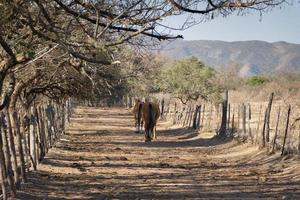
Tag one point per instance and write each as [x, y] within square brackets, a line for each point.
[101, 157]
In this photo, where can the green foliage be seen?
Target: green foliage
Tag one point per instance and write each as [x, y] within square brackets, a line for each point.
[256, 80]
[190, 79]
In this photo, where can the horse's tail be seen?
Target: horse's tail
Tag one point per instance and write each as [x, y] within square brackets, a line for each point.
[140, 114]
[150, 119]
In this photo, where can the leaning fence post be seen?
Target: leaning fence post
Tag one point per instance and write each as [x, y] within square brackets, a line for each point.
[286, 129]
[276, 130]
[268, 117]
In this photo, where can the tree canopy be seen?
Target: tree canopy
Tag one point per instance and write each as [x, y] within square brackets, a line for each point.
[190, 79]
[67, 42]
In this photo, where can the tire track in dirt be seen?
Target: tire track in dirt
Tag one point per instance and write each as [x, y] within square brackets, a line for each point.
[101, 157]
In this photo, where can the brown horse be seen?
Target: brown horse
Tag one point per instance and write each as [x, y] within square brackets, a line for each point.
[137, 112]
[150, 114]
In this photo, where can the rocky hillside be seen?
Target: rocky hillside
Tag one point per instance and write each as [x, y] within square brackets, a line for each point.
[247, 57]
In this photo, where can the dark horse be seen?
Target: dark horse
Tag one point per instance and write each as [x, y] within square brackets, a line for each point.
[150, 114]
[137, 112]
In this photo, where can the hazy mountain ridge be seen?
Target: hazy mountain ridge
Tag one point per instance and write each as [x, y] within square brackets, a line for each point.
[252, 57]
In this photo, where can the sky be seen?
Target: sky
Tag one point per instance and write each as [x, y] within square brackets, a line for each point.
[277, 25]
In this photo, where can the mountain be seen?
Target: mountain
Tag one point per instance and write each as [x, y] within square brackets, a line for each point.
[247, 57]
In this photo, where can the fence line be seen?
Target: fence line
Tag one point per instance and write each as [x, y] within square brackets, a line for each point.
[26, 137]
[258, 122]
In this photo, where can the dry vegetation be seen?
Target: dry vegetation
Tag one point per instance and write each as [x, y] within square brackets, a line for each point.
[51, 51]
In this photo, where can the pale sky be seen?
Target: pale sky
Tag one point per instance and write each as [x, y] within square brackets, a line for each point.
[277, 25]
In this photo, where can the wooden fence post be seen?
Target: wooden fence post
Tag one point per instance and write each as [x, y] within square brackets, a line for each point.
[12, 149]
[249, 123]
[268, 117]
[195, 117]
[16, 127]
[232, 124]
[190, 118]
[162, 107]
[199, 118]
[244, 120]
[264, 129]
[185, 121]
[210, 116]
[238, 118]
[258, 124]
[276, 130]
[286, 129]
[7, 156]
[299, 141]
[175, 113]
[222, 131]
[228, 117]
[2, 171]
[32, 136]
[203, 116]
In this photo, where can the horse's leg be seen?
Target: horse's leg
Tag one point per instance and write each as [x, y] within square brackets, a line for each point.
[136, 126]
[154, 132]
[147, 134]
[142, 124]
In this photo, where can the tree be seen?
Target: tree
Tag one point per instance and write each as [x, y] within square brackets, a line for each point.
[257, 80]
[190, 79]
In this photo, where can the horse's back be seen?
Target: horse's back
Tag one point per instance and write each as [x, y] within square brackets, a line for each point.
[155, 110]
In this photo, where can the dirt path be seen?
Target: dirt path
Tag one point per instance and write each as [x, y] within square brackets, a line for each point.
[102, 158]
